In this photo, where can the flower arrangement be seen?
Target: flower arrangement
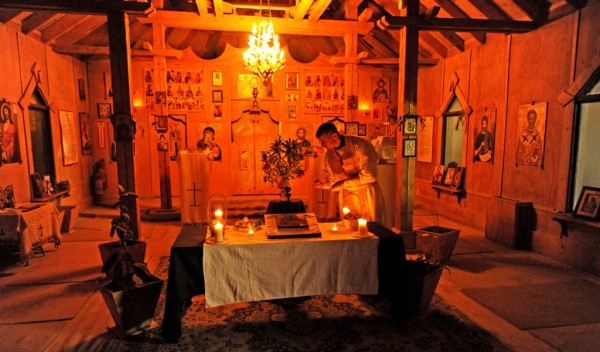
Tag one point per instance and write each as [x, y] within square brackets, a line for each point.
[282, 162]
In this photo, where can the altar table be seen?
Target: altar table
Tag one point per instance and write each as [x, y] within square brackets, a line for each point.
[31, 228]
[187, 275]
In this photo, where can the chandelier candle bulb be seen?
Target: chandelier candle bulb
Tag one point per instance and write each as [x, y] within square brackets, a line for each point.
[362, 227]
[219, 232]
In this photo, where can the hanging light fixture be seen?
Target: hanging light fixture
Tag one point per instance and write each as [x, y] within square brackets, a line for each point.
[264, 55]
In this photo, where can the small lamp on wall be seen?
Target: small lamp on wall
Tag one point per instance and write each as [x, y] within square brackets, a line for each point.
[365, 110]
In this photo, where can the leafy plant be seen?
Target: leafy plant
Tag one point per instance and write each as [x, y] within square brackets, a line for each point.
[121, 225]
[423, 264]
[282, 161]
[121, 270]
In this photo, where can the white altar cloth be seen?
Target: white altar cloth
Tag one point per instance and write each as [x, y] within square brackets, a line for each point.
[193, 170]
[251, 267]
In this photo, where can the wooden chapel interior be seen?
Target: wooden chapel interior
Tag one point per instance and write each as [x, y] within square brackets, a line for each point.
[375, 37]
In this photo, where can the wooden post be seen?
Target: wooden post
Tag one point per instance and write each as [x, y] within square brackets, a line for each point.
[407, 104]
[122, 120]
[160, 81]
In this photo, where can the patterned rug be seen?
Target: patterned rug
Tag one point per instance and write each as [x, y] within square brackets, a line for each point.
[323, 323]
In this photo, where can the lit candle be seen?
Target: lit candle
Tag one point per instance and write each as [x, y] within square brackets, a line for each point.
[346, 211]
[218, 215]
[334, 228]
[219, 232]
[362, 227]
[250, 231]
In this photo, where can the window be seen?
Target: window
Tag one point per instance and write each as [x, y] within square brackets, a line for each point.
[454, 128]
[41, 136]
[586, 129]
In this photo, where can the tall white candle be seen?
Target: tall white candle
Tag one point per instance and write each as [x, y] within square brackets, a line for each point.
[362, 227]
[219, 232]
[218, 215]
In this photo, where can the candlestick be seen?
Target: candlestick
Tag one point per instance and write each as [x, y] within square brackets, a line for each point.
[218, 214]
[219, 232]
[334, 228]
[362, 227]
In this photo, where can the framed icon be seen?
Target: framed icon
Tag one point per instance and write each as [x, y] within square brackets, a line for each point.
[217, 78]
[217, 96]
[588, 204]
[362, 129]
[409, 126]
[352, 128]
[161, 123]
[104, 110]
[292, 80]
[409, 148]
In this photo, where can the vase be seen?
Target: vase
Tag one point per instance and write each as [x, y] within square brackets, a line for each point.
[285, 194]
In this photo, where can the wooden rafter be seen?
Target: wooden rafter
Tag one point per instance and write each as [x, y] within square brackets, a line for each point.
[7, 15]
[86, 26]
[301, 10]
[457, 13]
[59, 27]
[318, 9]
[537, 10]
[202, 8]
[81, 6]
[38, 20]
[490, 9]
[237, 23]
[460, 24]
[218, 6]
[433, 43]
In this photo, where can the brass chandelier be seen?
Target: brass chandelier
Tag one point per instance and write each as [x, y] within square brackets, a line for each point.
[264, 55]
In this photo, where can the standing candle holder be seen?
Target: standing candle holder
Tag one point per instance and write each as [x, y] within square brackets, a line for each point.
[349, 213]
[217, 215]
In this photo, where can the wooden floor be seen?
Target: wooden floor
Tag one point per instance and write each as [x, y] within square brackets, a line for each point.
[88, 330]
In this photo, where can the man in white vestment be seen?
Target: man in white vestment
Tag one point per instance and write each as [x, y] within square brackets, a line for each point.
[351, 168]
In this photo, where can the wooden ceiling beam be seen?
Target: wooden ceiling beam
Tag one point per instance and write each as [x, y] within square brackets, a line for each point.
[301, 10]
[460, 24]
[490, 9]
[536, 10]
[317, 10]
[453, 38]
[237, 23]
[81, 6]
[104, 50]
[395, 61]
[38, 20]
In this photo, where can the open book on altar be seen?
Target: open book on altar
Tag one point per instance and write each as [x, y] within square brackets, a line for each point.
[292, 225]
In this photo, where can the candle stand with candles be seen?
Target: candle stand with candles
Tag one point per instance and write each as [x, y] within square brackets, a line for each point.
[217, 215]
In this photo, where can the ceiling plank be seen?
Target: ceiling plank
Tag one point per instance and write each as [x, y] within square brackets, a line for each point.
[395, 61]
[490, 10]
[317, 10]
[577, 3]
[202, 8]
[104, 50]
[88, 25]
[64, 24]
[537, 10]
[81, 6]
[460, 24]
[453, 38]
[38, 20]
[237, 23]
[301, 10]
[457, 13]
[433, 43]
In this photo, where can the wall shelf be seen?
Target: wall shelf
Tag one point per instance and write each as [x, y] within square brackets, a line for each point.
[564, 219]
[50, 197]
[456, 191]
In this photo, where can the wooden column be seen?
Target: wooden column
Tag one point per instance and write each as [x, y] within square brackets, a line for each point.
[122, 120]
[160, 80]
[407, 104]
